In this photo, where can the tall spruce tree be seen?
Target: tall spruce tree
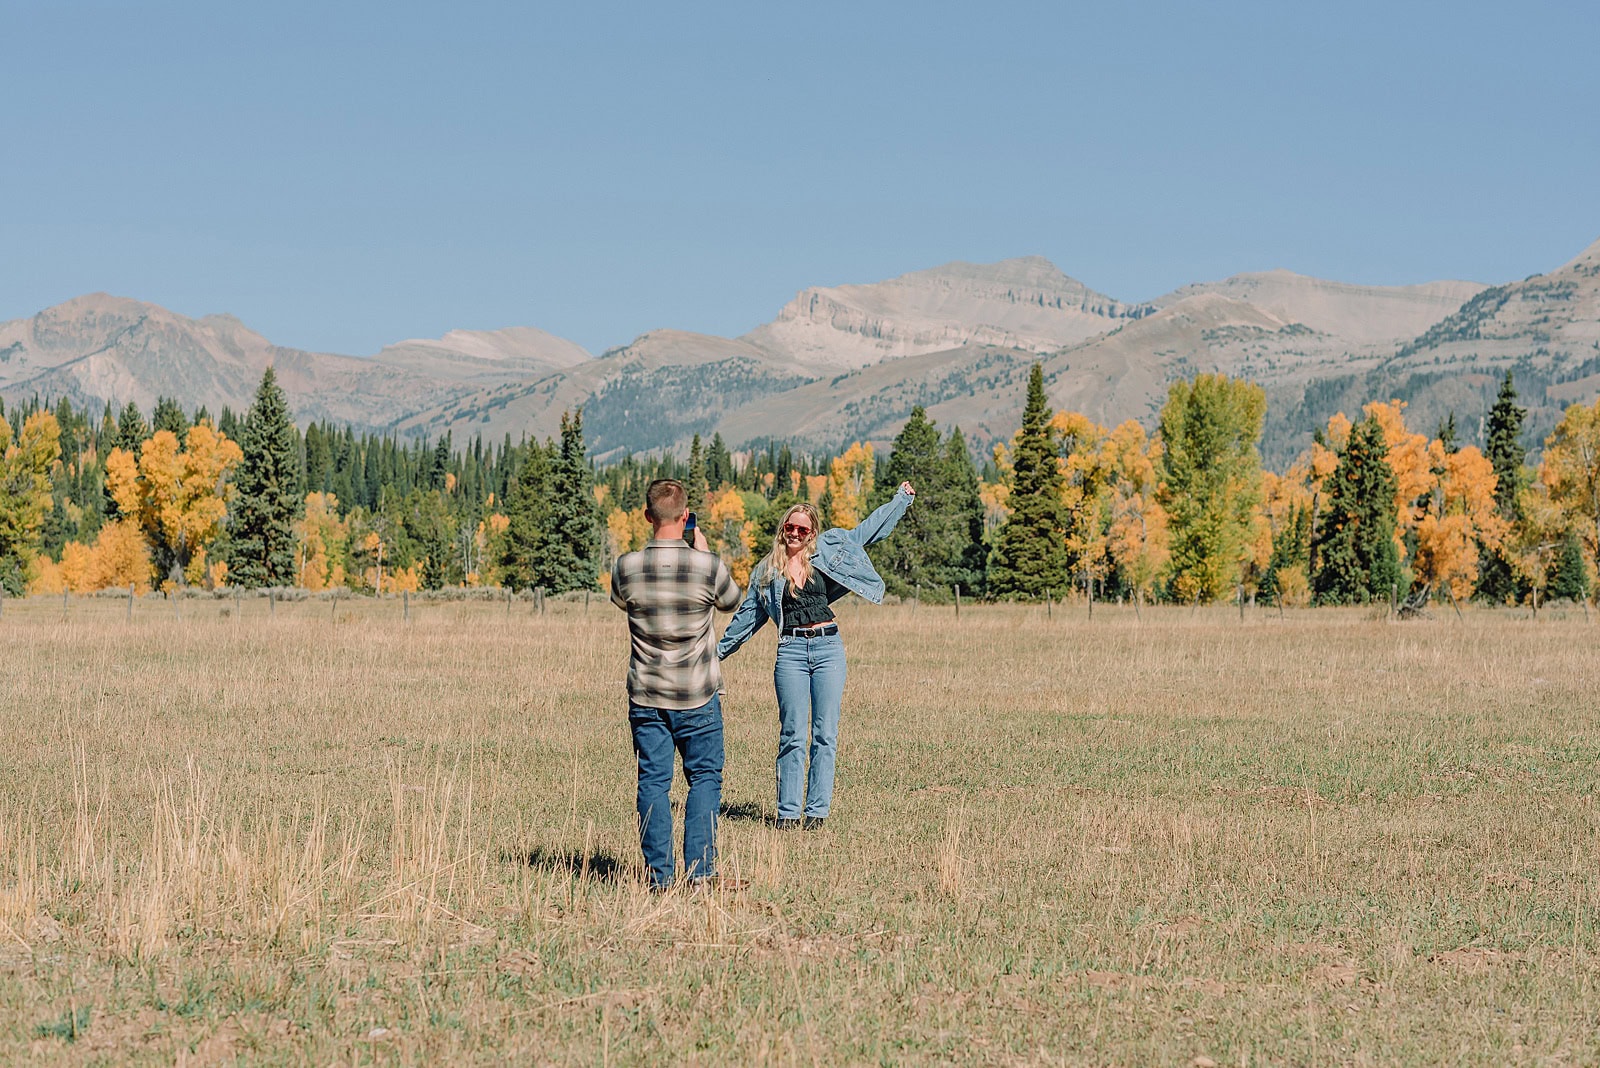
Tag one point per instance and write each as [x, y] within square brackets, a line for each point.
[1354, 556]
[262, 535]
[939, 543]
[695, 484]
[719, 463]
[169, 416]
[1569, 577]
[1497, 579]
[964, 506]
[1210, 480]
[131, 429]
[572, 559]
[1031, 557]
[908, 559]
[529, 518]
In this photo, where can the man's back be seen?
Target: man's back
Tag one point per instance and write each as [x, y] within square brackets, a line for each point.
[669, 590]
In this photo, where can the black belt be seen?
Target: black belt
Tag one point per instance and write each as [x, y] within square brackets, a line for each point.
[821, 630]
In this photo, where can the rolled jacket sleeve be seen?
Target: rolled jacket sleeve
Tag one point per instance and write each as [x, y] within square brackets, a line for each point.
[881, 523]
[746, 621]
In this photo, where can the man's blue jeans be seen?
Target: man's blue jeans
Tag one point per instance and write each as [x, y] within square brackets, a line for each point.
[696, 734]
[809, 677]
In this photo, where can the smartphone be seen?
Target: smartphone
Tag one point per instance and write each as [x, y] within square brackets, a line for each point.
[688, 529]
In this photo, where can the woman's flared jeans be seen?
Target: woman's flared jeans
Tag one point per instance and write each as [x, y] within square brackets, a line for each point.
[809, 678]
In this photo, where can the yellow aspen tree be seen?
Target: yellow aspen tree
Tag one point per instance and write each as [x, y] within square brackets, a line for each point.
[122, 557]
[729, 533]
[77, 561]
[1570, 471]
[323, 537]
[1412, 458]
[996, 496]
[176, 495]
[1085, 490]
[25, 466]
[850, 482]
[1138, 539]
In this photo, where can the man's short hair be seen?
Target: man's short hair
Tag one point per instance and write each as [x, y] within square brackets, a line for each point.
[666, 500]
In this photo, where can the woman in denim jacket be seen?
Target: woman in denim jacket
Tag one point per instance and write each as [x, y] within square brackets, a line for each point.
[794, 587]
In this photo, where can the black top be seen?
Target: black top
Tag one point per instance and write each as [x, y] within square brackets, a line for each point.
[809, 606]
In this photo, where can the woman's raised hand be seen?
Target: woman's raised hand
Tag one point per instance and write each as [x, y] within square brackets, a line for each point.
[906, 488]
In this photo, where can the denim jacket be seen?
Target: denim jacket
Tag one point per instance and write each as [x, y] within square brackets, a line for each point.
[841, 555]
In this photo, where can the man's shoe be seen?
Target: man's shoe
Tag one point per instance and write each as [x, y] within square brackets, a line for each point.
[788, 825]
[813, 823]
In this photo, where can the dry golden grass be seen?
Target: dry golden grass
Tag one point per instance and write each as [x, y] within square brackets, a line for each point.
[295, 838]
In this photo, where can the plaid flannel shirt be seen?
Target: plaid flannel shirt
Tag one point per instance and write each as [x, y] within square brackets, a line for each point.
[669, 590]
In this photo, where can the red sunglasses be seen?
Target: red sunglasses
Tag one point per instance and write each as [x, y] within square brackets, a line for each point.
[796, 529]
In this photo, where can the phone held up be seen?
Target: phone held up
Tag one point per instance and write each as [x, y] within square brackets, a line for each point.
[688, 529]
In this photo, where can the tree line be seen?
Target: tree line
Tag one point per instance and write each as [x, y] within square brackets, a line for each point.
[1373, 511]
[1185, 514]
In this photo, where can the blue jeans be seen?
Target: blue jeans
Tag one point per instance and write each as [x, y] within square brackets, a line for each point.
[809, 678]
[696, 734]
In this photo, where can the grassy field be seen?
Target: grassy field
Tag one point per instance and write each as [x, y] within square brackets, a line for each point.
[329, 835]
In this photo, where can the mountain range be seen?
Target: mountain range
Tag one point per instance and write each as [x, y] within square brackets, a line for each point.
[845, 363]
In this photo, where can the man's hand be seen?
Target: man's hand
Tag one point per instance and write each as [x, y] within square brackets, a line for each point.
[906, 488]
[700, 540]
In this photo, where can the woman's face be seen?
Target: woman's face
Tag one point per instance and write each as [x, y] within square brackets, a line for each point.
[797, 530]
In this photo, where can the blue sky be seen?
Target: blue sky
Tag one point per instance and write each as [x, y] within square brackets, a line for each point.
[342, 176]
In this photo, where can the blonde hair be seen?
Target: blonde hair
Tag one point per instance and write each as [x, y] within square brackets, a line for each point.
[776, 560]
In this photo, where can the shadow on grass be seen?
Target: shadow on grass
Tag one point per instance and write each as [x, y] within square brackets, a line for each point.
[746, 812]
[599, 865]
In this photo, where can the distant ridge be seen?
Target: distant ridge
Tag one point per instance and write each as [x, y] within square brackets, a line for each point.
[847, 362]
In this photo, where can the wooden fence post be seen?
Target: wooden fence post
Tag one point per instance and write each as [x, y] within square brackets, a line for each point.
[130, 602]
[1047, 609]
[405, 605]
[958, 600]
[272, 602]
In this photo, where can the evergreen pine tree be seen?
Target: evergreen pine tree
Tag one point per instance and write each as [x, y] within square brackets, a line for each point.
[908, 559]
[169, 416]
[1497, 581]
[938, 544]
[1355, 558]
[695, 484]
[131, 429]
[964, 507]
[573, 559]
[262, 533]
[719, 463]
[439, 465]
[528, 515]
[1031, 557]
[1568, 578]
[1447, 433]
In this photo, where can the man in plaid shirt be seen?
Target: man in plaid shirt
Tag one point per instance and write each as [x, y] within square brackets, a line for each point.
[669, 591]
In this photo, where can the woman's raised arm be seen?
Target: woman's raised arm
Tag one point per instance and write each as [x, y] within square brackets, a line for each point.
[881, 523]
